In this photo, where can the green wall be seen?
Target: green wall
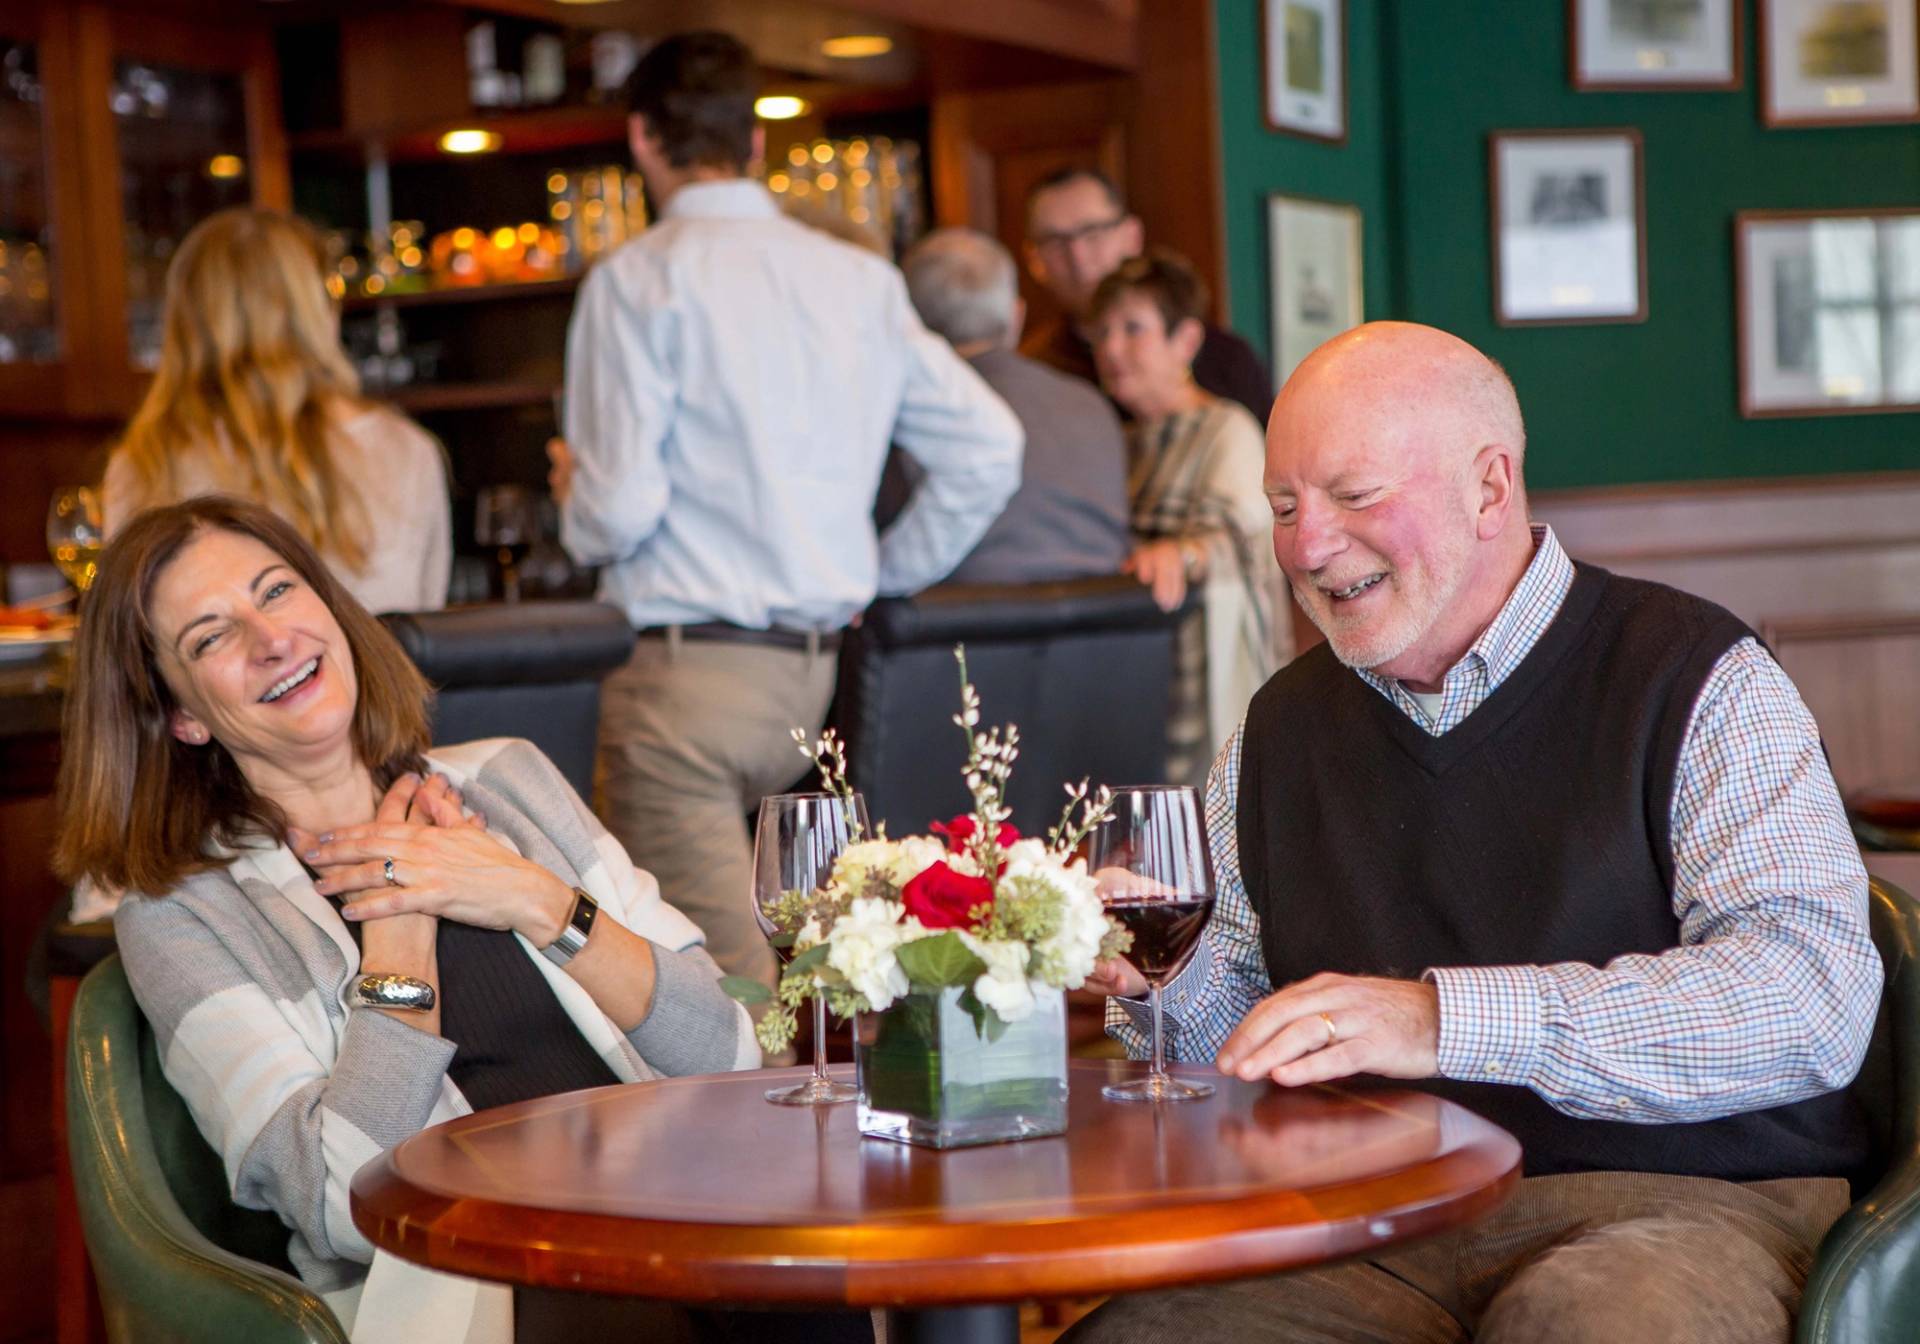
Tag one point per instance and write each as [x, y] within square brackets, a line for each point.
[1652, 401]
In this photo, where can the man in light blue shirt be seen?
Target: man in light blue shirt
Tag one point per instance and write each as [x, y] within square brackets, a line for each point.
[733, 382]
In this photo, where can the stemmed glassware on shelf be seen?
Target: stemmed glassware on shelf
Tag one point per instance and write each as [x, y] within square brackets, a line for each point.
[795, 844]
[506, 519]
[74, 534]
[1155, 877]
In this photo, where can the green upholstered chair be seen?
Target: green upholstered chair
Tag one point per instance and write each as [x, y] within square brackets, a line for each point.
[176, 1260]
[1865, 1285]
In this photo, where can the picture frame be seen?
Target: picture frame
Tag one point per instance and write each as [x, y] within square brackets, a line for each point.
[1839, 62]
[1827, 311]
[1303, 47]
[1568, 225]
[1638, 45]
[1315, 261]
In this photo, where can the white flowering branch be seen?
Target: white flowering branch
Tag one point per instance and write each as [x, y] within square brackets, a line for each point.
[829, 757]
[1064, 837]
[990, 758]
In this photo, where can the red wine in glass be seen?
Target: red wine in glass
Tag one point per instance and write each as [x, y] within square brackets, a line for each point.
[1155, 876]
[1165, 931]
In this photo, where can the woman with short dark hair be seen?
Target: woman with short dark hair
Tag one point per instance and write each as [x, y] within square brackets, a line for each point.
[1199, 507]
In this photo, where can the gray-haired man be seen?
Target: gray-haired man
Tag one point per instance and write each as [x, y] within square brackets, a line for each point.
[1069, 518]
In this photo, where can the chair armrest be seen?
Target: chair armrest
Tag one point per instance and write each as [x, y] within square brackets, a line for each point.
[159, 1276]
[1863, 1287]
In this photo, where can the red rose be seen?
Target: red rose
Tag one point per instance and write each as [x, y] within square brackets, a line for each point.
[959, 832]
[941, 898]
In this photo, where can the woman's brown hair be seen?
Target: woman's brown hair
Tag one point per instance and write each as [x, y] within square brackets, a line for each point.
[1164, 278]
[140, 810]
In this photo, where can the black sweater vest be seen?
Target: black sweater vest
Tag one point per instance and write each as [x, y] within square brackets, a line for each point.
[1535, 831]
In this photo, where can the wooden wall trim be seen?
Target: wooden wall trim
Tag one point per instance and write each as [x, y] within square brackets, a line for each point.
[1174, 155]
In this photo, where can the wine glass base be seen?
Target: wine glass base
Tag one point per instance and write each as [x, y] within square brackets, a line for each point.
[814, 1092]
[1156, 1087]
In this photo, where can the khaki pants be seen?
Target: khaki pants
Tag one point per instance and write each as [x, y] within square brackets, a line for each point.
[692, 735]
[1599, 1256]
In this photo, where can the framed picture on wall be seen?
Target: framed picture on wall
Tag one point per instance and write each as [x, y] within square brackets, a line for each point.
[1654, 44]
[1304, 46]
[1569, 227]
[1838, 62]
[1314, 253]
[1828, 308]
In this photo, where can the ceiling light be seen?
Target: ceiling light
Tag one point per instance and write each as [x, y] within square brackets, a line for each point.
[780, 107]
[856, 46]
[470, 141]
[226, 166]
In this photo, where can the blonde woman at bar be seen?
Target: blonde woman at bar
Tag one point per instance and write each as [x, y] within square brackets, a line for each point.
[254, 397]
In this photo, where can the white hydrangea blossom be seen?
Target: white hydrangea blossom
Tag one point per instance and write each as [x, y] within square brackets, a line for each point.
[1067, 958]
[1004, 988]
[861, 947]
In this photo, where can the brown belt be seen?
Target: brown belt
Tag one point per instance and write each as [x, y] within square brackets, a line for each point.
[720, 632]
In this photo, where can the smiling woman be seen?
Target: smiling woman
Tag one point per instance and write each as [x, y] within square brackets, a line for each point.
[338, 938]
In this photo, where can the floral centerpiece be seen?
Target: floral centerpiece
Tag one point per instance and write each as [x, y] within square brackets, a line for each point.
[954, 948]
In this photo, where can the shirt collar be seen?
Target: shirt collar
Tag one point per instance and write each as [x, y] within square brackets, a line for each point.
[729, 198]
[1522, 620]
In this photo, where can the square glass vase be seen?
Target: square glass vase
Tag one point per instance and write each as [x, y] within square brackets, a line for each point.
[928, 1076]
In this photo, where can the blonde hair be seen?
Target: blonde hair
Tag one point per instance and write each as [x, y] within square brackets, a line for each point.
[250, 372]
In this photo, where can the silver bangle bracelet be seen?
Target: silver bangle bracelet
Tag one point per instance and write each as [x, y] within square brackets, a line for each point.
[394, 991]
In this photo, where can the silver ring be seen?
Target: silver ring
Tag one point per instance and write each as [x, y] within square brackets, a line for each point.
[1333, 1032]
[386, 871]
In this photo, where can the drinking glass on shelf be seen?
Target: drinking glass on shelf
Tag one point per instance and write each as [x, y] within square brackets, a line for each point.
[507, 519]
[1155, 877]
[794, 847]
[74, 533]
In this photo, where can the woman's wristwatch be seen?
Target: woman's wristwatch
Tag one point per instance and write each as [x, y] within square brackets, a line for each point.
[574, 935]
[394, 991]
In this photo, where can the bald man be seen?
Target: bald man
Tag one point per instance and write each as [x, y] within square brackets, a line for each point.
[1559, 845]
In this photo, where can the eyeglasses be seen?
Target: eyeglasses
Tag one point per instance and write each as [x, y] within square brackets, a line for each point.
[1060, 242]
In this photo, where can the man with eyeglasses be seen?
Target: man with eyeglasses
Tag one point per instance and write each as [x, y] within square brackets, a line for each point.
[1078, 230]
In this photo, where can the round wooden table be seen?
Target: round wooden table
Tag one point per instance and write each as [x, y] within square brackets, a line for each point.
[697, 1190]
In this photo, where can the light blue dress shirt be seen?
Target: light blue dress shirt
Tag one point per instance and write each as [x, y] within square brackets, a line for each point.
[734, 379]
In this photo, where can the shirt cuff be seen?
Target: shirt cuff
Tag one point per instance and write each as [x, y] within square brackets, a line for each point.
[1176, 996]
[691, 1025]
[1490, 1022]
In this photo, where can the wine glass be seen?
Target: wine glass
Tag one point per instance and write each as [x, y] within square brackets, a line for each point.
[794, 847]
[73, 533]
[507, 519]
[1155, 877]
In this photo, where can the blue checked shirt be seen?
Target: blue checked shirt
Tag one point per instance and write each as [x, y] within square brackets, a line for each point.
[1770, 996]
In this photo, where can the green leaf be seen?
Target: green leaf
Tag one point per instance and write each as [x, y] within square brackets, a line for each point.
[939, 961]
[743, 989]
[807, 960]
[974, 1009]
[781, 940]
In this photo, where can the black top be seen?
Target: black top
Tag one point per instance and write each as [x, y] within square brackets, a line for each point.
[513, 1041]
[1536, 831]
[1225, 364]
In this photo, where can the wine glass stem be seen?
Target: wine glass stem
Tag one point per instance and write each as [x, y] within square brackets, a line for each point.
[1159, 1059]
[819, 1038]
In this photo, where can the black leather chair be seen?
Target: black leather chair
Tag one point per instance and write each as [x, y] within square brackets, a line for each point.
[531, 669]
[1083, 668]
